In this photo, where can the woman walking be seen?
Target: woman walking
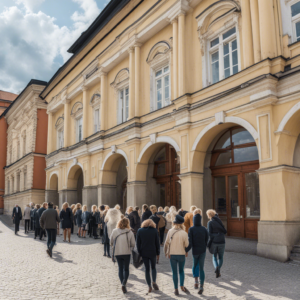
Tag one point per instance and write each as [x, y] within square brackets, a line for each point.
[198, 238]
[146, 213]
[135, 221]
[27, 217]
[66, 217]
[122, 241]
[112, 217]
[147, 243]
[85, 217]
[176, 243]
[77, 216]
[216, 232]
[36, 221]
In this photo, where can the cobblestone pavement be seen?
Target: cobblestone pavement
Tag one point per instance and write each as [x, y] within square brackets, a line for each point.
[79, 271]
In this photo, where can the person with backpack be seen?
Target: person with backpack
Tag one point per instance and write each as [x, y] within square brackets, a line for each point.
[175, 249]
[122, 242]
[216, 243]
[147, 243]
[135, 220]
[163, 224]
[198, 238]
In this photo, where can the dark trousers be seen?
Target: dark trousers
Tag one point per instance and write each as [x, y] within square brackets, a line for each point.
[123, 262]
[42, 233]
[32, 227]
[147, 262]
[36, 232]
[51, 234]
[27, 225]
[17, 223]
[106, 249]
[95, 227]
[162, 234]
[72, 228]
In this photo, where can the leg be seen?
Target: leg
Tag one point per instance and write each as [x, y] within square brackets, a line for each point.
[108, 248]
[48, 238]
[201, 267]
[195, 268]
[221, 250]
[121, 267]
[146, 261]
[65, 234]
[181, 269]
[53, 239]
[173, 262]
[162, 234]
[153, 268]
[126, 268]
[69, 234]
[41, 233]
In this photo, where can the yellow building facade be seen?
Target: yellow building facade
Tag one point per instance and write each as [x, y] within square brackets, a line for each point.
[181, 102]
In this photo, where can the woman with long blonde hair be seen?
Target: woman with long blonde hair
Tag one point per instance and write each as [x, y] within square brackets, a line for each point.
[66, 217]
[176, 243]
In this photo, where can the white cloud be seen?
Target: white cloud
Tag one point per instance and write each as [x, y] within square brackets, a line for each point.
[32, 45]
[30, 4]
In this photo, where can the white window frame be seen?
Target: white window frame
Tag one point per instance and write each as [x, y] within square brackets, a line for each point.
[60, 138]
[161, 77]
[77, 124]
[77, 115]
[95, 103]
[294, 20]
[220, 47]
[96, 119]
[123, 110]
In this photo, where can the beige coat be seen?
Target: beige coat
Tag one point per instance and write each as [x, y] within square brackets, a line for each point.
[179, 242]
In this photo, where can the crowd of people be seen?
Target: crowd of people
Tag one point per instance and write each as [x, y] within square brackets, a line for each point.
[144, 231]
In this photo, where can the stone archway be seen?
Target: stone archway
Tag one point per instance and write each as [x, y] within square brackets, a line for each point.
[52, 193]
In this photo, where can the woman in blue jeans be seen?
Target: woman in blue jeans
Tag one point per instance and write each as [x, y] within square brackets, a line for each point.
[198, 238]
[176, 243]
[216, 232]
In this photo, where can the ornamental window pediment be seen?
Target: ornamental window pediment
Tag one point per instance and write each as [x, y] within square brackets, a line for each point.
[77, 110]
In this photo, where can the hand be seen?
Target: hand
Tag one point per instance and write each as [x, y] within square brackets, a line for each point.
[169, 256]
[186, 254]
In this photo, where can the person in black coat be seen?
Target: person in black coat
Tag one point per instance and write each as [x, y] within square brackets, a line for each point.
[40, 212]
[93, 221]
[182, 212]
[32, 207]
[146, 213]
[135, 221]
[216, 232]
[77, 216]
[17, 217]
[198, 238]
[147, 243]
[66, 217]
[161, 229]
[36, 220]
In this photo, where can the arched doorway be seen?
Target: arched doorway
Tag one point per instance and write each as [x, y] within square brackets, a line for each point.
[52, 194]
[75, 185]
[166, 171]
[235, 183]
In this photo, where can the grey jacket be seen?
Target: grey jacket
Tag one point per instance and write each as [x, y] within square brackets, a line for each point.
[125, 242]
[49, 219]
[27, 213]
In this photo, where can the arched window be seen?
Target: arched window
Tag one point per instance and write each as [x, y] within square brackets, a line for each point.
[235, 146]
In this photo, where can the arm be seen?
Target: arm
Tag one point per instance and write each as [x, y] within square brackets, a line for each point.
[186, 241]
[206, 237]
[132, 240]
[42, 221]
[167, 242]
[157, 245]
[138, 242]
[190, 238]
[57, 218]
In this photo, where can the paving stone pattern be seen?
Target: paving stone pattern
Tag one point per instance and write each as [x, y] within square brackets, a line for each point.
[79, 271]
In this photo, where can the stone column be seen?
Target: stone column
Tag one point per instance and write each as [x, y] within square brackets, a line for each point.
[247, 34]
[279, 225]
[50, 128]
[181, 55]
[52, 196]
[89, 196]
[191, 190]
[137, 64]
[175, 58]
[267, 29]
[255, 30]
[103, 87]
[107, 195]
[136, 193]
[85, 120]
[131, 84]
[66, 124]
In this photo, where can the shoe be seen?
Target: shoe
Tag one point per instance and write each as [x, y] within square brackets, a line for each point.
[104, 254]
[184, 289]
[108, 256]
[35, 237]
[201, 290]
[196, 285]
[176, 292]
[217, 272]
[124, 290]
[150, 289]
[49, 253]
[155, 286]
[64, 240]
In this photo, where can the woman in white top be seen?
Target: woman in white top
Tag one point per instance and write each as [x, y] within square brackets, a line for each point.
[122, 241]
[176, 243]
[170, 217]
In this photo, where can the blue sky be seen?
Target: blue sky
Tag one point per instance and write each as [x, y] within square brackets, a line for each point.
[35, 36]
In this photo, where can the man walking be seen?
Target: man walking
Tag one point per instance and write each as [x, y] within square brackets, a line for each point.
[32, 216]
[48, 221]
[17, 217]
[40, 212]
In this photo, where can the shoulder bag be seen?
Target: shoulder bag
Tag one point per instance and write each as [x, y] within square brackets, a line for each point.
[167, 253]
[115, 242]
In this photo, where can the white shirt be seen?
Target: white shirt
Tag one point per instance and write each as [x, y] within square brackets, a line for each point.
[17, 209]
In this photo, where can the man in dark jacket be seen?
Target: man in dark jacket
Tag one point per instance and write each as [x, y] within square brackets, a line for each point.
[17, 217]
[36, 219]
[198, 238]
[146, 213]
[48, 221]
[147, 243]
[40, 212]
[135, 221]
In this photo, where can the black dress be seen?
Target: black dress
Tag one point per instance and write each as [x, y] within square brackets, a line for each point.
[66, 217]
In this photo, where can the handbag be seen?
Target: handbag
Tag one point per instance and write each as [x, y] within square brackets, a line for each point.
[115, 242]
[137, 260]
[167, 253]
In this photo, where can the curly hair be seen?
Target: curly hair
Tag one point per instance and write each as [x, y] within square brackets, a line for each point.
[123, 224]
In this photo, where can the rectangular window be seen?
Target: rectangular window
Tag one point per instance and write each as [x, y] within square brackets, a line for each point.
[124, 104]
[60, 138]
[78, 130]
[8, 187]
[220, 194]
[162, 86]
[24, 145]
[295, 9]
[18, 183]
[25, 180]
[96, 120]
[297, 31]
[19, 154]
[224, 46]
